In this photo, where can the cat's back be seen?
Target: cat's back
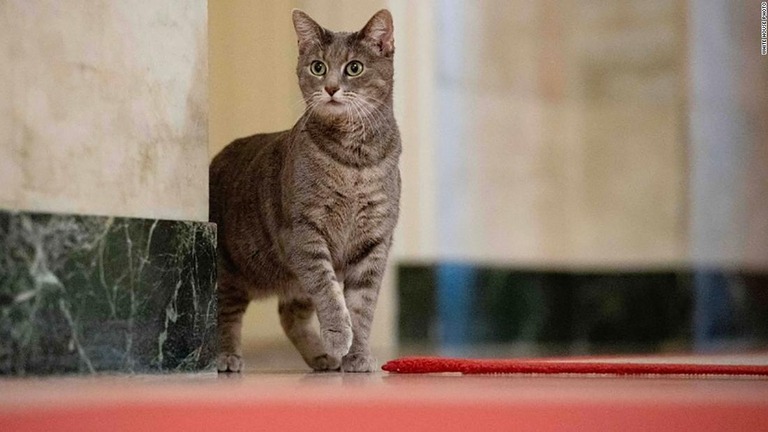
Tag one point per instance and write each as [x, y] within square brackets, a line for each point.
[242, 152]
[235, 165]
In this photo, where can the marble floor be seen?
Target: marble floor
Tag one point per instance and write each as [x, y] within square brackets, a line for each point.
[266, 397]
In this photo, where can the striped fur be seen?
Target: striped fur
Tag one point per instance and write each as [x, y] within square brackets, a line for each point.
[307, 214]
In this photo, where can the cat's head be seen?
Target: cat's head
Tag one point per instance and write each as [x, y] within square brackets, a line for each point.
[345, 75]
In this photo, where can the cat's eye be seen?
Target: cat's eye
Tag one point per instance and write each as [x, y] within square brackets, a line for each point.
[317, 68]
[354, 68]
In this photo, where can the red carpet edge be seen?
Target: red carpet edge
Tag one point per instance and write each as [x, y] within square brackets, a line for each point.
[420, 365]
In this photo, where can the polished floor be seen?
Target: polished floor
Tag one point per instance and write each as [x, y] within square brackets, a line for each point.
[297, 400]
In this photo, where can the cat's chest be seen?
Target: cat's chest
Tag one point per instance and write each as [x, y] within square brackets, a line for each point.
[345, 195]
[353, 202]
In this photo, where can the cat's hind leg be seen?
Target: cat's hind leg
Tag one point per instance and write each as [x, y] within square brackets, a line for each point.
[296, 317]
[232, 303]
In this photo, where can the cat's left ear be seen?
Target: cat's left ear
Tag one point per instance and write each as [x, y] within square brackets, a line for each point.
[308, 32]
[379, 33]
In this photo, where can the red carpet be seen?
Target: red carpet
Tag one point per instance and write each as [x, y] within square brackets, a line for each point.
[381, 402]
[417, 365]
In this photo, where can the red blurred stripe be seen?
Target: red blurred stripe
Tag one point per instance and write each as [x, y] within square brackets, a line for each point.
[389, 416]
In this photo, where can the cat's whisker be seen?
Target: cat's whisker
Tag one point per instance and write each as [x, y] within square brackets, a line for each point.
[371, 98]
[299, 103]
[368, 113]
[372, 113]
[366, 102]
[349, 114]
[312, 102]
[312, 98]
[360, 115]
[364, 117]
[372, 117]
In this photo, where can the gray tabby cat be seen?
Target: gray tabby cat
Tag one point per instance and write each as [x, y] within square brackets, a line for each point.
[308, 213]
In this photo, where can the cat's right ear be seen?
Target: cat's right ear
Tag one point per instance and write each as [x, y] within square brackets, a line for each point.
[308, 32]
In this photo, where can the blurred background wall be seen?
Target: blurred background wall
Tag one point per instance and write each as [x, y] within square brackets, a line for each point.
[728, 124]
[103, 107]
[561, 127]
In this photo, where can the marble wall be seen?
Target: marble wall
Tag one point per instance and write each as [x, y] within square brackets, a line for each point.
[107, 261]
[84, 294]
[104, 107]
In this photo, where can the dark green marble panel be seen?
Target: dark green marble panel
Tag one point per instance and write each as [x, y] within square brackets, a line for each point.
[84, 294]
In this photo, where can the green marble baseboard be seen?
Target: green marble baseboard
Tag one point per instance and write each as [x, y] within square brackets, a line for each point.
[87, 294]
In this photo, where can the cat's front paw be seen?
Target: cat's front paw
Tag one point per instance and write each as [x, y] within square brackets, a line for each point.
[358, 362]
[227, 362]
[337, 341]
[325, 363]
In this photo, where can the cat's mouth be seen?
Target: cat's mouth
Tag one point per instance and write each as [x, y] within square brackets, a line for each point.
[334, 107]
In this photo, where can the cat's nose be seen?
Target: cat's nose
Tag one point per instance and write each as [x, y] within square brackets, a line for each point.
[331, 90]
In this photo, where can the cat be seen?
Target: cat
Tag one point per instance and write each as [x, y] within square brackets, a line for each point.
[308, 214]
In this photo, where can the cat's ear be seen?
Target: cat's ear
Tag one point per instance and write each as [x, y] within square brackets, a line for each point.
[379, 33]
[308, 32]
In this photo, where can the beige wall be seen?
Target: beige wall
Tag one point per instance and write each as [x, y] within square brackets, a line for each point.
[252, 79]
[104, 107]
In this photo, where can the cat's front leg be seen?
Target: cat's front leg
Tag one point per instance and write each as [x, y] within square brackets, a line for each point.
[311, 261]
[361, 290]
[296, 314]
